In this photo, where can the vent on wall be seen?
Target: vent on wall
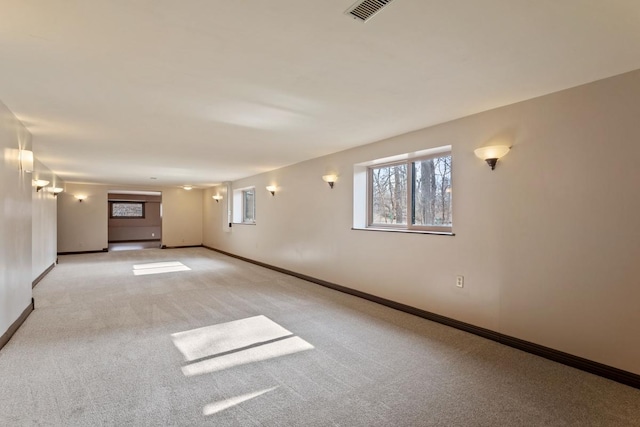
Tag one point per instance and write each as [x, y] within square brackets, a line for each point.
[364, 10]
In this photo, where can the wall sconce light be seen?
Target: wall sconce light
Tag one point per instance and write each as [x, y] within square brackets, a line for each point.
[80, 197]
[56, 191]
[330, 179]
[272, 189]
[187, 187]
[26, 161]
[40, 184]
[491, 154]
[217, 198]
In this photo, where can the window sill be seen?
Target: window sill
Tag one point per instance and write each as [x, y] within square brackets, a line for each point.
[402, 230]
[243, 223]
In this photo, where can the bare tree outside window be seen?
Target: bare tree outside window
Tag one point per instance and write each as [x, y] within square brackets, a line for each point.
[415, 194]
[126, 210]
[432, 192]
[389, 201]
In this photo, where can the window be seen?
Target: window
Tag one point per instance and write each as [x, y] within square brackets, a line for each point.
[244, 206]
[126, 210]
[248, 205]
[389, 194]
[413, 194]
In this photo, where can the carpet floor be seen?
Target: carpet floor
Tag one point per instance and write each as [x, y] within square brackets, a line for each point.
[189, 337]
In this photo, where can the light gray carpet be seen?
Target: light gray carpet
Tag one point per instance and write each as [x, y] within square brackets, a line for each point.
[128, 246]
[228, 343]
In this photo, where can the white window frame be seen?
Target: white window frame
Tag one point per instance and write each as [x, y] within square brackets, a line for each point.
[239, 199]
[363, 192]
[370, 223]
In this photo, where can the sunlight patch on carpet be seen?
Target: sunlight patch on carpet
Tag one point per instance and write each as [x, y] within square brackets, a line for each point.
[213, 340]
[222, 405]
[261, 353]
[226, 345]
[158, 268]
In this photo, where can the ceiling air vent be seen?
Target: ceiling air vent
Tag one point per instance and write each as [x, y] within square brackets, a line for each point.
[364, 10]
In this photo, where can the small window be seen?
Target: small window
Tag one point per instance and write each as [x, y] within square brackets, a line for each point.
[244, 206]
[248, 206]
[126, 210]
[412, 194]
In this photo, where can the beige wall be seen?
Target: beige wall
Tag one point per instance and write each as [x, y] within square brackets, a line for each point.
[84, 226]
[181, 217]
[548, 243]
[15, 221]
[44, 221]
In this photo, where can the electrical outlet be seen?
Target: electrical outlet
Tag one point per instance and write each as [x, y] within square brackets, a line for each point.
[460, 281]
[153, 234]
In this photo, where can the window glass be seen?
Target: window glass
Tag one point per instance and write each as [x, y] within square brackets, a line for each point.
[412, 194]
[432, 192]
[127, 210]
[389, 194]
[244, 206]
[248, 206]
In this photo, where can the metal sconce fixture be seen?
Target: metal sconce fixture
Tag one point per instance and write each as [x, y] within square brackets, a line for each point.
[272, 189]
[26, 161]
[56, 191]
[217, 198]
[491, 154]
[330, 179]
[40, 184]
[80, 197]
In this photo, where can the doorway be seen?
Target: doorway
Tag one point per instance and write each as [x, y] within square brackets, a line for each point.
[135, 220]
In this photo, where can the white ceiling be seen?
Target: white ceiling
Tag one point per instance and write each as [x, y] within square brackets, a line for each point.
[203, 91]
